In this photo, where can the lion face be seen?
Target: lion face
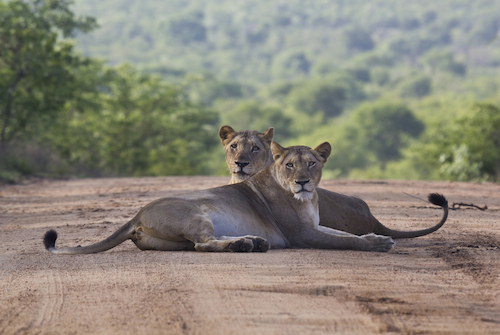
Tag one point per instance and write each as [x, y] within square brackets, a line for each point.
[298, 169]
[247, 152]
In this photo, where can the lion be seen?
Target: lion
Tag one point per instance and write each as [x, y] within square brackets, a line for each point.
[248, 151]
[275, 208]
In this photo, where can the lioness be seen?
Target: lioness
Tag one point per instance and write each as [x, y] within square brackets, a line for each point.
[248, 152]
[277, 207]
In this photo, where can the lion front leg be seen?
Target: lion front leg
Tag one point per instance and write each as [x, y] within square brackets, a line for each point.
[260, 244]
[235, 244]
[378, 242]
[327, 238]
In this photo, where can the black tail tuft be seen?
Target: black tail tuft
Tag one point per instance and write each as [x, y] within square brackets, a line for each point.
[49, 240]
[438, 200]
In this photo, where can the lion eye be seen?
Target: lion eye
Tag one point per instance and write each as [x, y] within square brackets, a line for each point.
[311, 164]
[255, 148]
[234, 146]
[289, 165]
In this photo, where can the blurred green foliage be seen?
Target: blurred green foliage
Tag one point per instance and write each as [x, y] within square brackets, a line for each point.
[141, 126]
[467, 148]
[37, 71]
[253, 115]
[393, 85]
[62, 113]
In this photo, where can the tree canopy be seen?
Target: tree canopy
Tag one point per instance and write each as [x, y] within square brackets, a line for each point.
[467, 148]
[86, 117]
[37, 70]
[379, 80]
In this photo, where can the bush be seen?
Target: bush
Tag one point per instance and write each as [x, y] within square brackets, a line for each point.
[485, 32]
[467, 148]
[253, 116]
[358, 39]
[417, 87]
[140, 126]
[383, 128]
[187, 30]
[374, 134]
[380, 76]
[319, 96]
[361, 74]
[444, 61]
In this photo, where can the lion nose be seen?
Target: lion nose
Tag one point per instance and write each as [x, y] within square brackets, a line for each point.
[302, 182]
[241, 164]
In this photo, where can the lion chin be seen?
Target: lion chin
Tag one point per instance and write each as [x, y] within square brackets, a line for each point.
[303, 196]
[241, 176]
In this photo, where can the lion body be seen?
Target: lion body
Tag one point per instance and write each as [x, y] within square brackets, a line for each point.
[277, 207]
[336, 211]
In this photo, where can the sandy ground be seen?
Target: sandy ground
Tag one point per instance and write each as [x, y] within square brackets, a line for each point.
[445, 283]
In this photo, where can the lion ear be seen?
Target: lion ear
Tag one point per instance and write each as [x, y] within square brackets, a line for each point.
[324, 150]
[226, 134]
[268, 135]
[277, 150]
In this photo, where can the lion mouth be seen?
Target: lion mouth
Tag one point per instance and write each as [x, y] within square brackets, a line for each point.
[241, 175]
[302, 190]
[303, 195]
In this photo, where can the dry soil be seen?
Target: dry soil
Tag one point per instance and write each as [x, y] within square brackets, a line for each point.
[444, 283]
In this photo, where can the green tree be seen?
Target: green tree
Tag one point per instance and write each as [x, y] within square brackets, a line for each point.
[439, 60]
[188, 29]
[141, 126]
[209, 89]
[384, 128]
[358, 39]
[416, 87]
[290, 64]
[37, 68]
[374, 134]
[321, 96]
[485, 31]
[254, 116]
[467, 148]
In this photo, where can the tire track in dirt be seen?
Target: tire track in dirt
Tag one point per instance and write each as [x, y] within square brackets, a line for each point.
[293, 302]
[383, 309]
[386, 318]
[470, 256]
[478, 256]
[52, 300]
[10, 317]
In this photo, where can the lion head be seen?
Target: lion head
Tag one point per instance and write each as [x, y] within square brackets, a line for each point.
[247, 152]
[298, 168]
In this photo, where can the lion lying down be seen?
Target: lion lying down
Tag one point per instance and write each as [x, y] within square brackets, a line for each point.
[276, 208]
[248, 152]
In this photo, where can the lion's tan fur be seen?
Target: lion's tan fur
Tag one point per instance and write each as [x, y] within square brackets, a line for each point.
[337, 211]
[277, 207]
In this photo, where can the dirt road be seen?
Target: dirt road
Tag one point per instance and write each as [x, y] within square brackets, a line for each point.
[444, 283]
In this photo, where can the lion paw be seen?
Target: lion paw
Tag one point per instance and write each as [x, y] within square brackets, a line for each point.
[378, 242]
[241, 245]
[260, 244]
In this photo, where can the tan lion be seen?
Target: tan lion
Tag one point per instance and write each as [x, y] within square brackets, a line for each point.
[277, 207]
[248, 152]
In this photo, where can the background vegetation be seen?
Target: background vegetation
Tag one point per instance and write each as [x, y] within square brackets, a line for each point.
[401, 89]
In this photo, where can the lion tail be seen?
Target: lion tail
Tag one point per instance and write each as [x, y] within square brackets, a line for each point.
[121, 235]
[435, 199]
